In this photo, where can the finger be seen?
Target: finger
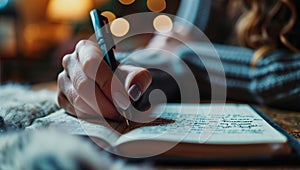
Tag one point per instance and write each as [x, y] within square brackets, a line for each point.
[87, 51]
[90, 56]
[87, 90]
[70, 109]
[137, 80]
[65, 103]
[66, 89]
[91, 60]
[83, 43]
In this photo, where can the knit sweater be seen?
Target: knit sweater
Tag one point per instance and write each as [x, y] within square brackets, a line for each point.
[274, 81]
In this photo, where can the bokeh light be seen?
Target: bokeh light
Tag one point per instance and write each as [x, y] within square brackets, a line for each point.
[163, 24]
[119, 27]
[126, 2]
[68, 10]
[109, 15]
[156, 5]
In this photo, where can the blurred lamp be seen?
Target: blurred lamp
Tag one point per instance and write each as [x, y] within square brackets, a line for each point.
[69, 10]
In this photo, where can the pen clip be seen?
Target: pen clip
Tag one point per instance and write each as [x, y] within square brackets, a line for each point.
[101, 27]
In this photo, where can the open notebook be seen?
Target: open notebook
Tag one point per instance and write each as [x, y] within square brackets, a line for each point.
[183, 130]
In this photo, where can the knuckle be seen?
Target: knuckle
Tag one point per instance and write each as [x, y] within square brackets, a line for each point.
[93, 53]
[66, 60]
[80, 44]
[61, 75]
[77, 100]
[91, 64]
[60, 80]
[80, 83]
[72, 96]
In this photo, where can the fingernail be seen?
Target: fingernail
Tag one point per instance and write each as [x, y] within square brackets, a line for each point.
[121, 100]
[135, 92]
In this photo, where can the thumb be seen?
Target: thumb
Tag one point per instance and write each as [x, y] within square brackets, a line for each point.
[137, 80]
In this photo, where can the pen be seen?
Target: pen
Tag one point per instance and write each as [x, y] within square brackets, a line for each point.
[105, 41]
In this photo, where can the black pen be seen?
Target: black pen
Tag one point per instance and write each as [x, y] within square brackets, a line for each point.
[105, 41]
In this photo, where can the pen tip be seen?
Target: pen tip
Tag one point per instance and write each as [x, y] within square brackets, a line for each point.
[126, 120]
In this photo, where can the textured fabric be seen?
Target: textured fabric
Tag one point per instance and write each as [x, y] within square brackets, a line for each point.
[36, 146]
[274, 81]
[52, 150]
[20, 106]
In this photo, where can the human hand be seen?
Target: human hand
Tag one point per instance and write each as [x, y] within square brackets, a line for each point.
[88, 88]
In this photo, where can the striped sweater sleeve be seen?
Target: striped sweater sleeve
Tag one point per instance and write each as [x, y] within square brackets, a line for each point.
[275, 81]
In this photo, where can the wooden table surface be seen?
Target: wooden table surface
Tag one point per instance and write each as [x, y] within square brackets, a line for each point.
[288, 120]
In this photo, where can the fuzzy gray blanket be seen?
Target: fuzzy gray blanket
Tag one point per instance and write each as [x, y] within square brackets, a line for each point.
[23, 148]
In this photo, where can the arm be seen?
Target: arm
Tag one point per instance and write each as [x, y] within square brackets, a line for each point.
[273, 82]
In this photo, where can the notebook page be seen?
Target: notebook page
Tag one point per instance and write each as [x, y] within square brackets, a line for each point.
[103, 130]
[213, 124]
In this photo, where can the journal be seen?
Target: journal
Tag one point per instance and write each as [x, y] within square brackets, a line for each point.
[183, 130]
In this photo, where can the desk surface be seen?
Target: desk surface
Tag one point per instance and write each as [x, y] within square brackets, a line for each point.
[288, 120]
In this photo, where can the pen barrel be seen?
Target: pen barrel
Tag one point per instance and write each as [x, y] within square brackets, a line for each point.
[109, 58]
[103, 37]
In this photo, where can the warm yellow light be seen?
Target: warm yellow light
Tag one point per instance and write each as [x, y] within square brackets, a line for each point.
[109, 15]
[156, 5]
[99, 2]
[163, 24]
[126, 2]
[69, 10]
[119, 27]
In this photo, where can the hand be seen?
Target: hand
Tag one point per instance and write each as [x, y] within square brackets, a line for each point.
[88, 88]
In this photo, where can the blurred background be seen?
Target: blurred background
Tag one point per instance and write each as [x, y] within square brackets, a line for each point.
[35, 35]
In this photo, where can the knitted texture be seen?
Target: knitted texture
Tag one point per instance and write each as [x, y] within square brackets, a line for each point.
[27, 143]
[47, 150]
[20, 106]
[274, 81]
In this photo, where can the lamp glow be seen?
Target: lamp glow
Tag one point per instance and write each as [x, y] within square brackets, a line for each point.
[68, 10]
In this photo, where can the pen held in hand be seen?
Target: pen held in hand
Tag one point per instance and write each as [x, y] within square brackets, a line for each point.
[103, 37]
[105, 42]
